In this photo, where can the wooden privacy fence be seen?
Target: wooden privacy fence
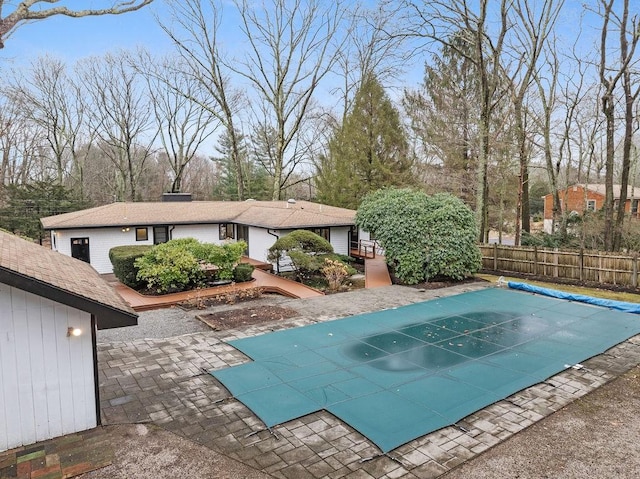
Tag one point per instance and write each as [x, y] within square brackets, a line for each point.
[594, 266]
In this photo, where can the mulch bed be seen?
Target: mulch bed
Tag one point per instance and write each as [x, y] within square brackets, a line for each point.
[235, 318]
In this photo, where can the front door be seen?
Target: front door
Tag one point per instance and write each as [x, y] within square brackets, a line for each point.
[80, 249]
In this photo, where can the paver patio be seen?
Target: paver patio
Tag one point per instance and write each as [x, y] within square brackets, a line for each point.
[166, 382]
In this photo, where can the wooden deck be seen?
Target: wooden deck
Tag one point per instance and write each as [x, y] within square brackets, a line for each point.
[270, 283]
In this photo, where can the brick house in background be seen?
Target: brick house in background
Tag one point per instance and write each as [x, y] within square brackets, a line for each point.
[581, 198]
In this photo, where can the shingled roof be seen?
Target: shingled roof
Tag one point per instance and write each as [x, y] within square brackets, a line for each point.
[265, 214]
[38, 270]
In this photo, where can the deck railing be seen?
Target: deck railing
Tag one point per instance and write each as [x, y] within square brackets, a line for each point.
[364, 248]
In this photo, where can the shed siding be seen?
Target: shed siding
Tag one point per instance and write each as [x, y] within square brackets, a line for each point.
[46, 378]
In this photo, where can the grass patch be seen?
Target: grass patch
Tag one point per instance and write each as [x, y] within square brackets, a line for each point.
[595, 292]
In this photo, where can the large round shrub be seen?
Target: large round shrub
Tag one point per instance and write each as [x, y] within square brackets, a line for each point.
[422, 236]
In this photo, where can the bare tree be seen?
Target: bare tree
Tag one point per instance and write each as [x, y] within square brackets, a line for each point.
[196, 37]
[28, 11]
[183, 124]
[52, 100]
[122, 115]
[291, 50]
[435, 21]
[371, 48]
[609, 78]
[531, 28]
[21, 143]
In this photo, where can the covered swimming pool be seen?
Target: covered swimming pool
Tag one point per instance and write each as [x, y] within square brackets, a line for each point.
[398, 374]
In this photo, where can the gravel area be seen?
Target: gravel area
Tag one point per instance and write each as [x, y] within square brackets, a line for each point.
[158, 324]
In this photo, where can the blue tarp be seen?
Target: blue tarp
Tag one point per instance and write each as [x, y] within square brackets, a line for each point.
[607, 303]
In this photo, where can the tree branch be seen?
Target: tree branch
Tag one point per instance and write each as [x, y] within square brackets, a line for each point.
[24, 12]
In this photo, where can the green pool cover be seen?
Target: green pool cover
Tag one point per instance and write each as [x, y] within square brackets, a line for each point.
[399, 374]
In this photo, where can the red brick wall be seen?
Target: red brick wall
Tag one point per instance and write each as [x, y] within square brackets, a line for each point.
[572, 199]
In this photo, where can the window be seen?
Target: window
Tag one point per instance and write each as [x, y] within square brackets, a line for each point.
[324, 232]
[634, 207]
[226, 231]
[591, 205]
[160, 234]
[142, 234]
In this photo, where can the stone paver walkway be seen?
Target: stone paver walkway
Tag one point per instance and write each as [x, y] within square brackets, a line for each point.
[166, 382]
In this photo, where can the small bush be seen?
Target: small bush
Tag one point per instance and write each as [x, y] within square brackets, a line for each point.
[177, 264]
[123, 260]
[170, 266]
[335, 273]
[225, 257]
[243, 272]
[305, 249]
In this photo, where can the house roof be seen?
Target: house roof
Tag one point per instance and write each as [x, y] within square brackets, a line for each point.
[265, 214]
[38, 270]
[600, 189]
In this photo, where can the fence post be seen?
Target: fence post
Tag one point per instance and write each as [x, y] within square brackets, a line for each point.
[581, 264]
[634, 274]
[535, 260]
[495, 256]
[555, 262]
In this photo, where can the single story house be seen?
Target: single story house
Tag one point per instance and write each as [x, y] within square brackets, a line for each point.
[50, 308]
[580, 198]
[89, 234]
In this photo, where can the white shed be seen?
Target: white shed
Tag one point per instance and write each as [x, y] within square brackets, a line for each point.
[50, 308]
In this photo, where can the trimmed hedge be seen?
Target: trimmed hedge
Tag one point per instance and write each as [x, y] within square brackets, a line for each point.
[243, 272]
[123, 260]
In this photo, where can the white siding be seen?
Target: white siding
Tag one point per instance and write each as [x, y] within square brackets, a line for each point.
[101, 240]
[203, 233]
[339, 237]
[46, 378]
[260, 240]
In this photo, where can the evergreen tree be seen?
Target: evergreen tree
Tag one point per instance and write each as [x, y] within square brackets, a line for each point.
[27, 203]
[256, 180]
[369, 152]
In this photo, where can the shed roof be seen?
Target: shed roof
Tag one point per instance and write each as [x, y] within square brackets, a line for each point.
[265, 214]
[38, 270]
